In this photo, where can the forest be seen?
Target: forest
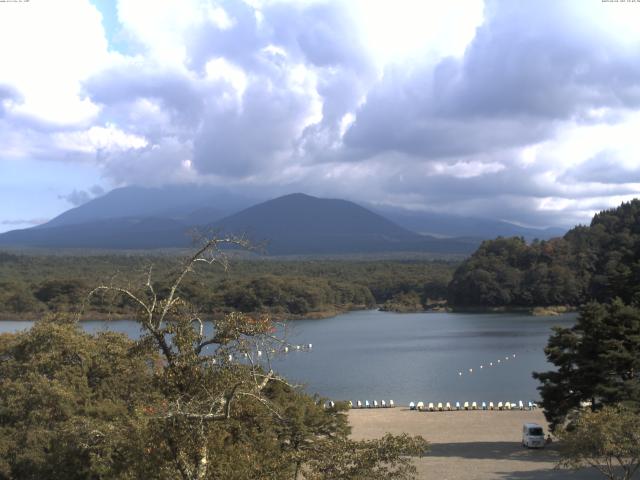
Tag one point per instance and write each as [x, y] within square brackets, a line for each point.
[596, 262]
[31, 285]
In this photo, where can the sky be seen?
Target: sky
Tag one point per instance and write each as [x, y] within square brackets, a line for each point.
[523, 111]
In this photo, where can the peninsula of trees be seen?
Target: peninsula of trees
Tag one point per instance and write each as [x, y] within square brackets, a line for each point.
[596, 262]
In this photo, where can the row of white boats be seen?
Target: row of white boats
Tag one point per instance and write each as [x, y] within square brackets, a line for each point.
[447, 407]
[372, 404]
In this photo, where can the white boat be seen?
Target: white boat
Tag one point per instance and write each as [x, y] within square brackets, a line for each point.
[500, 406]
[412, 406]
[375, 404]
[366, 404]
[520, 405]
[484, 405]
[391, 404]
[440, 407]
[474, 406]
[447, 407]
[431, 407]
[491, 407]
[457, 405]
[383, 404]
[466, 405]
[420, 406]
[359, 404]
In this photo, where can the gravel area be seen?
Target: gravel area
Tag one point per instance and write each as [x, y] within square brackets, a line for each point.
[470, 444]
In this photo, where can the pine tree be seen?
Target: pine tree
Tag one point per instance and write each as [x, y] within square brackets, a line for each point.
[597, 360]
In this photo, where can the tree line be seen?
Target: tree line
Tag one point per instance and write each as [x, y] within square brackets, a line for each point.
[32, 285]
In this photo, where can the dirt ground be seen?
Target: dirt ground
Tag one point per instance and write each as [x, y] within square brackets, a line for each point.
[470, 444]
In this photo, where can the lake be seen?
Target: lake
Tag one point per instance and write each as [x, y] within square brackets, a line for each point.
[408, 357]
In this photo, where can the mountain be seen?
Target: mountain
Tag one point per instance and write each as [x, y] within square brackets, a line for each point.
[302, 224]
[445, 225]
[112, 233]
[191, 204]
[289, 225]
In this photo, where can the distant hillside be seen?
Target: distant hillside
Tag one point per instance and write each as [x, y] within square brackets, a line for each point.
[446, 225]
[302, 224]
[191, 204]
[290, 225]
[119, 233]
[601, 262]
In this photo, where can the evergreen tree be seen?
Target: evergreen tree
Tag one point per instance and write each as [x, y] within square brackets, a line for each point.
[597, 360]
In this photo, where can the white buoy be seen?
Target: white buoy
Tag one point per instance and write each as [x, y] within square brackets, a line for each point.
[297, 347]
[471, 370]
[286, 349]
[514, 355]
[481, 366]
[230, 357]
[491, 364]
[498, 361]
[259, 353]
[460, 373]
[310, 346]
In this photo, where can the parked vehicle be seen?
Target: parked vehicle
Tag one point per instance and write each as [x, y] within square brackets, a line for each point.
[532, 436]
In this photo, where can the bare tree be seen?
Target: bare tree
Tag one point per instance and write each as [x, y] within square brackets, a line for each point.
[211, 369]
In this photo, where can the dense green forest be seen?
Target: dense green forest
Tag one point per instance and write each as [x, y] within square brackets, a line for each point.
[596, 262]
[33, 284]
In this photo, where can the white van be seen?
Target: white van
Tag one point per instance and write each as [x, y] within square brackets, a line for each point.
[532, 435]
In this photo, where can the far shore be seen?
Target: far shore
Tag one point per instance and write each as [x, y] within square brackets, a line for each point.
[314, 315]
[470, 445]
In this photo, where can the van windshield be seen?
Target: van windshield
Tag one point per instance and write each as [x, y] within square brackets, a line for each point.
[536, 431]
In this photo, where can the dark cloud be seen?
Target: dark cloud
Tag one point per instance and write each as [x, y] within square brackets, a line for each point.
[605, 167]
[8, 94]
[79, 197]
[529, 67]
[532, 69]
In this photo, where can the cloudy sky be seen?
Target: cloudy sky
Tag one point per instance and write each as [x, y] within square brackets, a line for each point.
[524, 111]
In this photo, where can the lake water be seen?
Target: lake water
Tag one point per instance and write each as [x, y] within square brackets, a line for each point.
[408, 357]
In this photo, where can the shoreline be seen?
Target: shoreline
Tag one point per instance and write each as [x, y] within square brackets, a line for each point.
[315, 315]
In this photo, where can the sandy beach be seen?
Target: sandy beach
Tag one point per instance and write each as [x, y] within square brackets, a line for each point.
[469, 444]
